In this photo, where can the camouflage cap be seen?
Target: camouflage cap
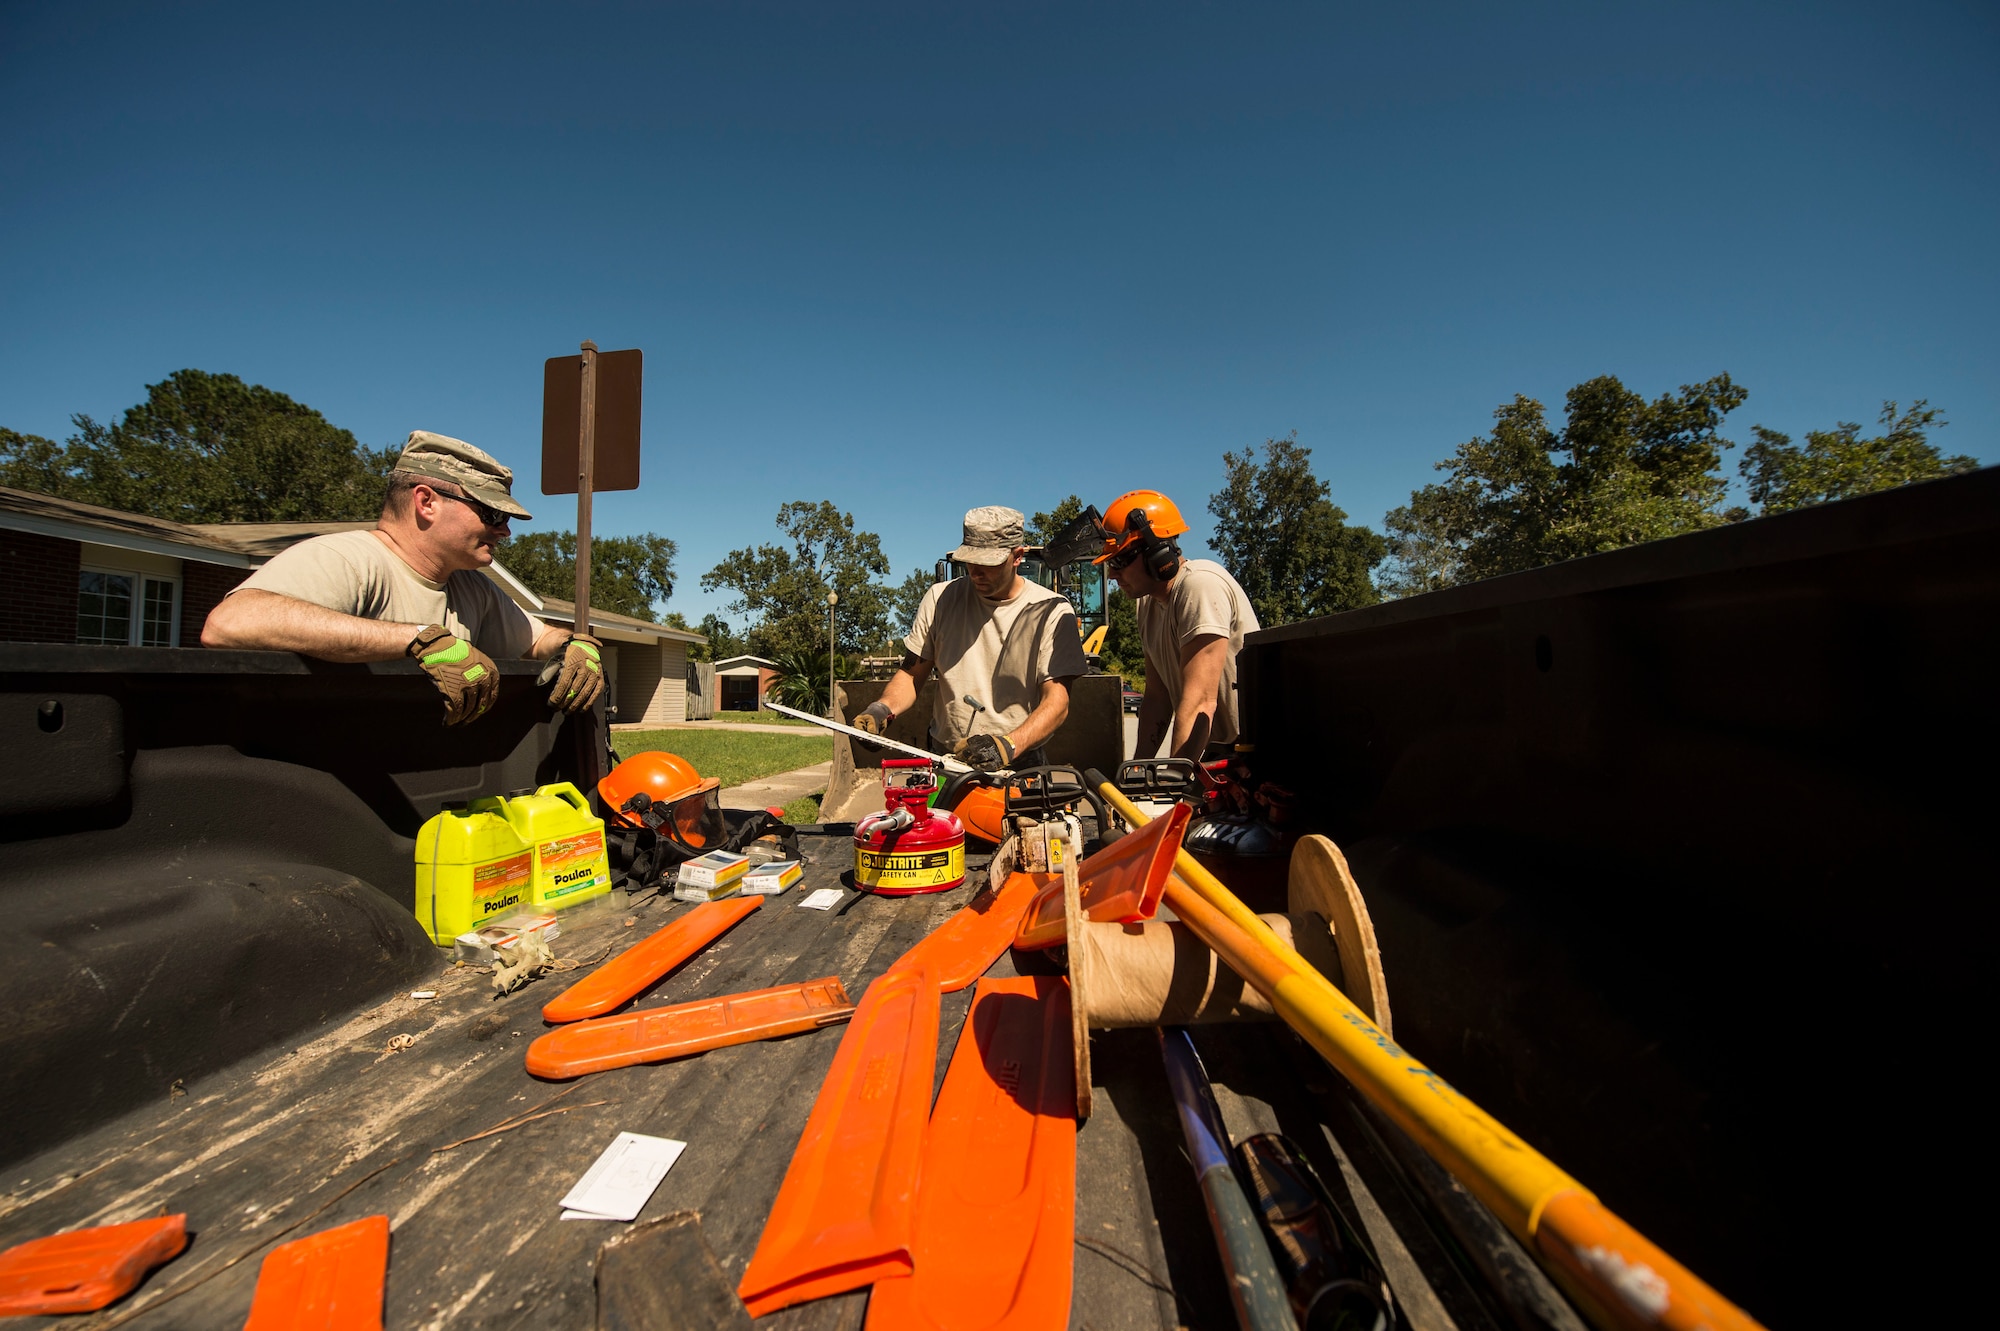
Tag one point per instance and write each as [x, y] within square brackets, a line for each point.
[991, 536]
[479, 474]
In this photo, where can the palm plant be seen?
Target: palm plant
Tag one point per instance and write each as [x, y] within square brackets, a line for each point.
[802, 678]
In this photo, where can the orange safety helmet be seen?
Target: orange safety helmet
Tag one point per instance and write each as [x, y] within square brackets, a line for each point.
[1162, 522]
[665, 777]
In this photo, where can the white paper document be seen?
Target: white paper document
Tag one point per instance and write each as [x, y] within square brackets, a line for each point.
[618, 1185]
[824, 898]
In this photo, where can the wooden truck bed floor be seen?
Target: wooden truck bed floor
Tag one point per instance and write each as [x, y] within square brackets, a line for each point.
[336, 1127]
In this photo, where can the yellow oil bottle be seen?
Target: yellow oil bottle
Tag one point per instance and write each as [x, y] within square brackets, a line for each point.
[472, 867]
[571, 866]
[492, 857]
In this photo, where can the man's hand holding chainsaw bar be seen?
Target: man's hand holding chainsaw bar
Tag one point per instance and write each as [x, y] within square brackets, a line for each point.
[874, 719]
[985, 753]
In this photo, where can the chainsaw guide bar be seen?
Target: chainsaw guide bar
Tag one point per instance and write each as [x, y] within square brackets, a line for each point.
[653, 1035]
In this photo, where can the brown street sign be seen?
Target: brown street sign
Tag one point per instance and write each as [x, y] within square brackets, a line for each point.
[615, 462]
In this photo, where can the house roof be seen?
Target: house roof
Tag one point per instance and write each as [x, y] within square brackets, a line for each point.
[247, 544]
[606, 624]
[265, 539]
[46, 515]
[744, 660]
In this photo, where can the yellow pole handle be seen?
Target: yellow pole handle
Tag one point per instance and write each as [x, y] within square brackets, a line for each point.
[1617, 1276]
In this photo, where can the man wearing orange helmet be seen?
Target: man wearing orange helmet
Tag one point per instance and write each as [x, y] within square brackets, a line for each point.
[1192, 618]
[1004, 650]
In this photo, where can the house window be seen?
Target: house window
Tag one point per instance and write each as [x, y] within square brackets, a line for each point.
[156, 614]
[119, 609]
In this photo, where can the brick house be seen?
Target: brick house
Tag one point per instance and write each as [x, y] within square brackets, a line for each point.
[74, 572]
[79, 573]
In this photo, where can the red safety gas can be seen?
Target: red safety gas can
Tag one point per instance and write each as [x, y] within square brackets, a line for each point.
[909, 847]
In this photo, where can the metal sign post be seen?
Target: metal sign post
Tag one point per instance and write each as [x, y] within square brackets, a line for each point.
[586, 452]
[590, 442]
[590, 439]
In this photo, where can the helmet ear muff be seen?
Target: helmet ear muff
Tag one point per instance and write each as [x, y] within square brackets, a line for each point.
[1161, 554]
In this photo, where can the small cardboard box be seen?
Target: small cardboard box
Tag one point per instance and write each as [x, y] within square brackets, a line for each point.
[769, 880]
[712, 877]
[477, 947]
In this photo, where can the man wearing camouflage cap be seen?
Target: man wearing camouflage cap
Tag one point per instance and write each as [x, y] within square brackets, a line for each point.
[412, 587]
[1004, 649]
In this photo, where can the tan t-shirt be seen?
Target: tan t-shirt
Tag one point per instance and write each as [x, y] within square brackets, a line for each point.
[356, 573]
[1202, 598]
[1000, 654]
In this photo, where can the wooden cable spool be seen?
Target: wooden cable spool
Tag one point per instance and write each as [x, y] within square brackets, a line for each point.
[1159, 974]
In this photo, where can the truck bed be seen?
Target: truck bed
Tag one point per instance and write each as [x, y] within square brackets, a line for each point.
[335, 1127]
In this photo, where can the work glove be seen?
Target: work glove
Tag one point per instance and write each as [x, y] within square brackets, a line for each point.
[874, 719]
[466, 676]
[580, 679]
[986, 753]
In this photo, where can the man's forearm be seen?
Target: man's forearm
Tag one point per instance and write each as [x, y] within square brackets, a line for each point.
[1154, 717]
[548, 642]
[900, 694]
[1046, 719]
[266, 621]
[1187, 714]
[1201, 675]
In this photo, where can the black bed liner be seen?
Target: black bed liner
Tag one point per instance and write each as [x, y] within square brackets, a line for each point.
[333, 1126]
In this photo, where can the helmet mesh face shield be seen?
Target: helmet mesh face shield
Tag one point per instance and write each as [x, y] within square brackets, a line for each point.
[694, 821]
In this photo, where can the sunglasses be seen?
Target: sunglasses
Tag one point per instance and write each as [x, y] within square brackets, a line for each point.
[492, 517]
[1121, 561]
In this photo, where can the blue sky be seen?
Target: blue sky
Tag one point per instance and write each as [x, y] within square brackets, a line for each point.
[914, 258]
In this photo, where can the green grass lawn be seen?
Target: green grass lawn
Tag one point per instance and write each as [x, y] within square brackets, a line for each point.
[732, 758]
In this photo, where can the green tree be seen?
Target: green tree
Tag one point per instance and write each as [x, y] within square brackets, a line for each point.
[207, 448]
[628, 574]
[1839, 463]
[903, 601]
[1284, 541]
[1042, 527]
[783, 591]
[1630, 471]
[1123, 653]
[721, 644]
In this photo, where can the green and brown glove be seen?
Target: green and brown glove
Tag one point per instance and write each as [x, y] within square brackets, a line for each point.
[987, 753]
[466, 676]
[581, 677]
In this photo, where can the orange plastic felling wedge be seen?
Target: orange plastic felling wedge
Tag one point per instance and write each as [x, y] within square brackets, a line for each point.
[997, 1205]
[627, 975]
[961, 948]
[85, 1269]
[330, 1281]
[842, 1216]
[1122, 883]
[654, 1034]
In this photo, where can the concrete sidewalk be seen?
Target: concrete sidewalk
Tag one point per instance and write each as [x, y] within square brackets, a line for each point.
[779, 790]
[718, 725]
